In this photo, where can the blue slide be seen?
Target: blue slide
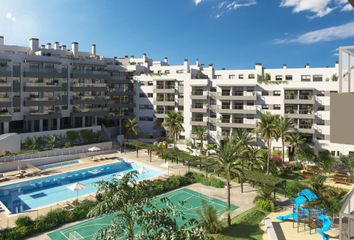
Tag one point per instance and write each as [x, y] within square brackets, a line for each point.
[326, 225]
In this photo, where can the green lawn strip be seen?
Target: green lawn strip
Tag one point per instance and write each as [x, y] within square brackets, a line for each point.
[244, 226]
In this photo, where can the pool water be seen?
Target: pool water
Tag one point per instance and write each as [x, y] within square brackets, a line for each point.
[40, 192]
[58, 165]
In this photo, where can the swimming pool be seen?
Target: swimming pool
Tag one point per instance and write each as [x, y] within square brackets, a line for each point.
[53, 166]
[44, 191]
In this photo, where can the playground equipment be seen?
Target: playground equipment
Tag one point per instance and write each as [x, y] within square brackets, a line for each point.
[315, 218]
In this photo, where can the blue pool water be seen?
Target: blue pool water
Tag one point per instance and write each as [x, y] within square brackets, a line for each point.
[58, 165]
[40, 192]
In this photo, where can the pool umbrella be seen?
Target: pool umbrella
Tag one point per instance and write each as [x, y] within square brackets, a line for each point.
[94, 149]
[167, 165]
[76, 187]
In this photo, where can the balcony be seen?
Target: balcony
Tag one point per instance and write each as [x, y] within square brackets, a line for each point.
[299, 99]
[5, 115]
[5, 102]
[89, 86]
[42, 87]
[199, 95]
[42, 101]
[164, 101]
[302, 113]
[5, 71]
[37, 115]
[85, 111]
[164, 89]
[240, 109]
[306, 128]
[198, 122]
[89, 100]
[5, 87]
[48, 73]
[86, 73]
[237, 123]
[247, 96]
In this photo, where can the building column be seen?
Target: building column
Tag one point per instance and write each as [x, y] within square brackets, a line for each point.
[41, 125]
[94, 121]
[6, 127]
[58, 123]
[83, 121]
[32, 125]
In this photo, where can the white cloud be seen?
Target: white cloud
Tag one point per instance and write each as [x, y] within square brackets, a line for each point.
[319, 8]
[229, 5]
[197, 2]
[323, 35]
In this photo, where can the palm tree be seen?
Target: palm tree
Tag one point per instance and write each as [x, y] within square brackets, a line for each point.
[200, 132]
[285, 125]
[131, 127]
[295, 140]
[210, 219]
[267, 127]
[52, 142]
[173, 123]
[228, 163]
[245, 142]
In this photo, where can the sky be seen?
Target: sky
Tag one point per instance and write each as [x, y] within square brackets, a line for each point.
[230, 34]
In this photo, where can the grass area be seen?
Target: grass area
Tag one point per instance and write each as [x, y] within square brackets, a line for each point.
[244, 226]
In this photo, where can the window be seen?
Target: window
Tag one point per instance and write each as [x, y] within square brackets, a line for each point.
[320, 94]
[217, 76]
[276, 93]
[265, 107]
[289, 77]
[180, 108]
[240, 76]
[150, 95]
[146, 119]
[142, 95]
[232, 76]
[278, 77]
[212, 127]
[276, 107]
[320, 108]
[145, 106]
[265, 93]
[167, 72]
[150, 83]
[317, 78]
[251, 76]
[305, 78]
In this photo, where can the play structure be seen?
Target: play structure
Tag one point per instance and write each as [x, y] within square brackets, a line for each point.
[314, 218]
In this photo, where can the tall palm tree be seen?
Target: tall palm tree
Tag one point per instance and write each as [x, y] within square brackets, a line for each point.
[295, 140]
[285, 125]
[245, 141]
[267, 127]
[131, 126]
[210, 219]
[174, 126]
[200, 132]
[228, 163]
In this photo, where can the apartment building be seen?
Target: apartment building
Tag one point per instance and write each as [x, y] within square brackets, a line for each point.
[52, 87]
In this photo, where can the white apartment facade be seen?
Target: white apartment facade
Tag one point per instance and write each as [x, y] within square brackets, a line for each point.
[51, 87]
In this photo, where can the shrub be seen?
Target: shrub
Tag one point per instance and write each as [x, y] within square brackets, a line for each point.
[265, 205]
[72, 136]
[292, 188]
[24, 221]
[210, 181]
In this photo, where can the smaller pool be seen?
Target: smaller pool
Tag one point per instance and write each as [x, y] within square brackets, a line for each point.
[58, 165]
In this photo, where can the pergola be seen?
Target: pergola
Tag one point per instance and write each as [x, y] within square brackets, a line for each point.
[346, 218]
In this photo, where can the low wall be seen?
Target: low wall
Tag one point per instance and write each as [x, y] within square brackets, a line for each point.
[63, 132]
[23, 164]
[57, 152]
[269, 228]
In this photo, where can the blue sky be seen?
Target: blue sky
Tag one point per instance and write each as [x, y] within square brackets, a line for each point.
[227, 33]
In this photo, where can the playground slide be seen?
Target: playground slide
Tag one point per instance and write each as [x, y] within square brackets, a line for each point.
[326, 225]
[285, 217]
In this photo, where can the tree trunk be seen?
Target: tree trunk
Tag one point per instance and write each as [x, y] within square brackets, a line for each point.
[201, 145]
[150, 154]
[283, 146]
[268, 157]
[174, 141]
[228, 200]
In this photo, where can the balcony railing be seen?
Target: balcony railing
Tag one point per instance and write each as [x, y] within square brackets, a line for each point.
[89, 85]
[197, 93]
[305, 126]
[43, 84]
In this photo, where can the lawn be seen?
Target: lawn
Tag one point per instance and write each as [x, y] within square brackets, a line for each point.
[244, 226]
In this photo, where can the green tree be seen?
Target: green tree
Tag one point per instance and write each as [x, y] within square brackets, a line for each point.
[173, 124]
[285, 125]
[135, 215]
[131, 127]
[210, 219]
[348, 162]
[200, 132]
[72, 136]
[228, 163]
[245, 141]
[267, 127]
[295, 141]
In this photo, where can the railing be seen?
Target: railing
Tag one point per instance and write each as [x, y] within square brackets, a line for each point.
[89, 85]
[305, 97]
[305, 111]
[197, 93]
[5, 84]
[5, 99]
[43, 84]
[305, 126]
